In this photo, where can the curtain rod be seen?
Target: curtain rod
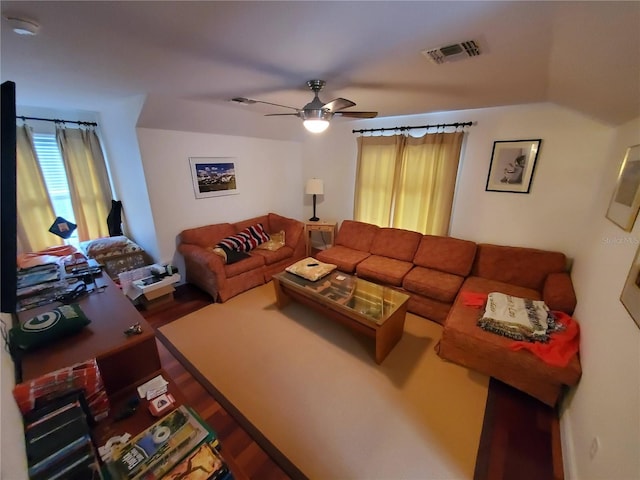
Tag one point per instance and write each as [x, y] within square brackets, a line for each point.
[402, 129]
[57, 120]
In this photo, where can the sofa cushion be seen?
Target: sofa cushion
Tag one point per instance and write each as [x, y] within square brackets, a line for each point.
[446, 254]
[383, 269]
[395, 243]
[526, 267]
[344, 257]
[252, 262]
[356, 235]
[246, 239]
[558, 292]
[273, 256]
[434, 284]
[485, 286]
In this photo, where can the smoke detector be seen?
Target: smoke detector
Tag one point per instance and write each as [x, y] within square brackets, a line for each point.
[452, 53]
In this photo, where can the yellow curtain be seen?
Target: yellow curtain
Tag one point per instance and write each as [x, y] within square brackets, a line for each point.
[35, 212]
[426, 184]
[375, 172]
[88, 180]
[407, 182]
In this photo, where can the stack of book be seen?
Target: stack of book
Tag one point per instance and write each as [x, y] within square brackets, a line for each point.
[179, 446]
[84, 377]
[58, 441]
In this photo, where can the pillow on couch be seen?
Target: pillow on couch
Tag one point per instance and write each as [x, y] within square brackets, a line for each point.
[228, 255]
[276, 241]
[311, 269]
[245, 240]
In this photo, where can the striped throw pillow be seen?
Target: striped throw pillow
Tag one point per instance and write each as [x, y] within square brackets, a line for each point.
[247, 239]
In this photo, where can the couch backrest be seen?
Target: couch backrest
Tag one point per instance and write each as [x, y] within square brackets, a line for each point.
[356, 235]
[526, 267]
[293, 229]
[395, 243]
[446, 254]
[207, 236]
[263, 219]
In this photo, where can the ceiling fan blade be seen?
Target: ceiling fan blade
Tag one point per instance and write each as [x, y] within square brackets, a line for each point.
[251, 101]
[358, 114]
[281, 114]
[338, 104]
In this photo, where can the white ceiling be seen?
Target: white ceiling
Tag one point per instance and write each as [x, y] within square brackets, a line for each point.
[582, 55]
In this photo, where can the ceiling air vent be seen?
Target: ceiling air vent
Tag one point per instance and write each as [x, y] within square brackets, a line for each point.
[451, 53]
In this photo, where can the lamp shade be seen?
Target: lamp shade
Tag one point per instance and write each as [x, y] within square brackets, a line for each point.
[314, 187]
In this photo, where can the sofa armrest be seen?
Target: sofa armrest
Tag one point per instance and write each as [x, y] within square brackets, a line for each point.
[558, 292]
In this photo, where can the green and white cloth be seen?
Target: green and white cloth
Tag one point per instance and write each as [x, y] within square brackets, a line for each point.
[517, 318]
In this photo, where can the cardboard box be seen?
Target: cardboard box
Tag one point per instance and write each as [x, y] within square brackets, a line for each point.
[157, 297]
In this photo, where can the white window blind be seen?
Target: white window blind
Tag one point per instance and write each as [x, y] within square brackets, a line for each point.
[55, 178]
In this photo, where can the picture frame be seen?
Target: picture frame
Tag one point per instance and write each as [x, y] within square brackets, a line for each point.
[214, 176]
[630, 296]
[625, 201]
[512, 165]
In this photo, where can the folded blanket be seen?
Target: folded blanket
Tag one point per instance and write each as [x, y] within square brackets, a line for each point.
[473, 299]
[517, 318]
[562, 345]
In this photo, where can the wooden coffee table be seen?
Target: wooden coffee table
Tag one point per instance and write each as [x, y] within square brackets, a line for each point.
[374, 310]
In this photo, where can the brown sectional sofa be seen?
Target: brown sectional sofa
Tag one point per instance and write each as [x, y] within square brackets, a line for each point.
[209, 272]
[434, 271]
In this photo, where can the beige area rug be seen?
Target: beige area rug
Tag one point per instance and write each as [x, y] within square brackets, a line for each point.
[313, 389]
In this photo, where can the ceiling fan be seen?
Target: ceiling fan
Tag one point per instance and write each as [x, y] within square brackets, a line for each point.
[315, 114]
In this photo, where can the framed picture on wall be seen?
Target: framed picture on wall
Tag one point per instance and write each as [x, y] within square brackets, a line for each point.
[630, 296]
[213, 176]
[625, 201]
[512, 165]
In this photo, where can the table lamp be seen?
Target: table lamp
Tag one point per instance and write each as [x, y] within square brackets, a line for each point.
[314, 187]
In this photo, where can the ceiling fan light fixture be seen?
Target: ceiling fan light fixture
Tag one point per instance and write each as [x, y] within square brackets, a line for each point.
[316, 125]
[316, 121]
[22, 26]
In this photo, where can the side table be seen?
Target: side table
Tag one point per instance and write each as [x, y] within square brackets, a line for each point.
[322, 226]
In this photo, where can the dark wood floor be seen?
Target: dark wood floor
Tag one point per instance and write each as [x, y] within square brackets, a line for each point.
[520, 436]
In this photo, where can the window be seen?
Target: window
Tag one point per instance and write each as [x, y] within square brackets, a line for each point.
[55, 178]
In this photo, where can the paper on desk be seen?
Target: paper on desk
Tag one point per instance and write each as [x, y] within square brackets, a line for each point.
[152, 387]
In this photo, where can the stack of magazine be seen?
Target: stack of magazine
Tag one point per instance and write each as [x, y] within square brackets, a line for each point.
[58, 440]
[175, 447]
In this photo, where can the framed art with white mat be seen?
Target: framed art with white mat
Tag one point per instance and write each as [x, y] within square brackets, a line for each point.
[625, 201]
[214, 176]
[512, 165]
[630, 296]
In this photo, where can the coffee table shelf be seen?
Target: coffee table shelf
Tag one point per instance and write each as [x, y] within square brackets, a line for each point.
[373, 310]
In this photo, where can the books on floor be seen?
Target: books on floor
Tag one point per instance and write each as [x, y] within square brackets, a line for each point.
[159, 449]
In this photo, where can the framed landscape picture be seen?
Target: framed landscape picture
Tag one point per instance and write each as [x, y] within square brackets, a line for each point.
[625, 201]
[213, 176]
[512, 165]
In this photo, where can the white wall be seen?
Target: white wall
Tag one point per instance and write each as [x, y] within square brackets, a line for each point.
[572, 185]
[13, 458]
[606, 404]
[268, 174]
[552, 216]
[118, 122]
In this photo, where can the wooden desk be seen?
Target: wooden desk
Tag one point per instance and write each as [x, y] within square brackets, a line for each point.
[123, 360]
[322, 226]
